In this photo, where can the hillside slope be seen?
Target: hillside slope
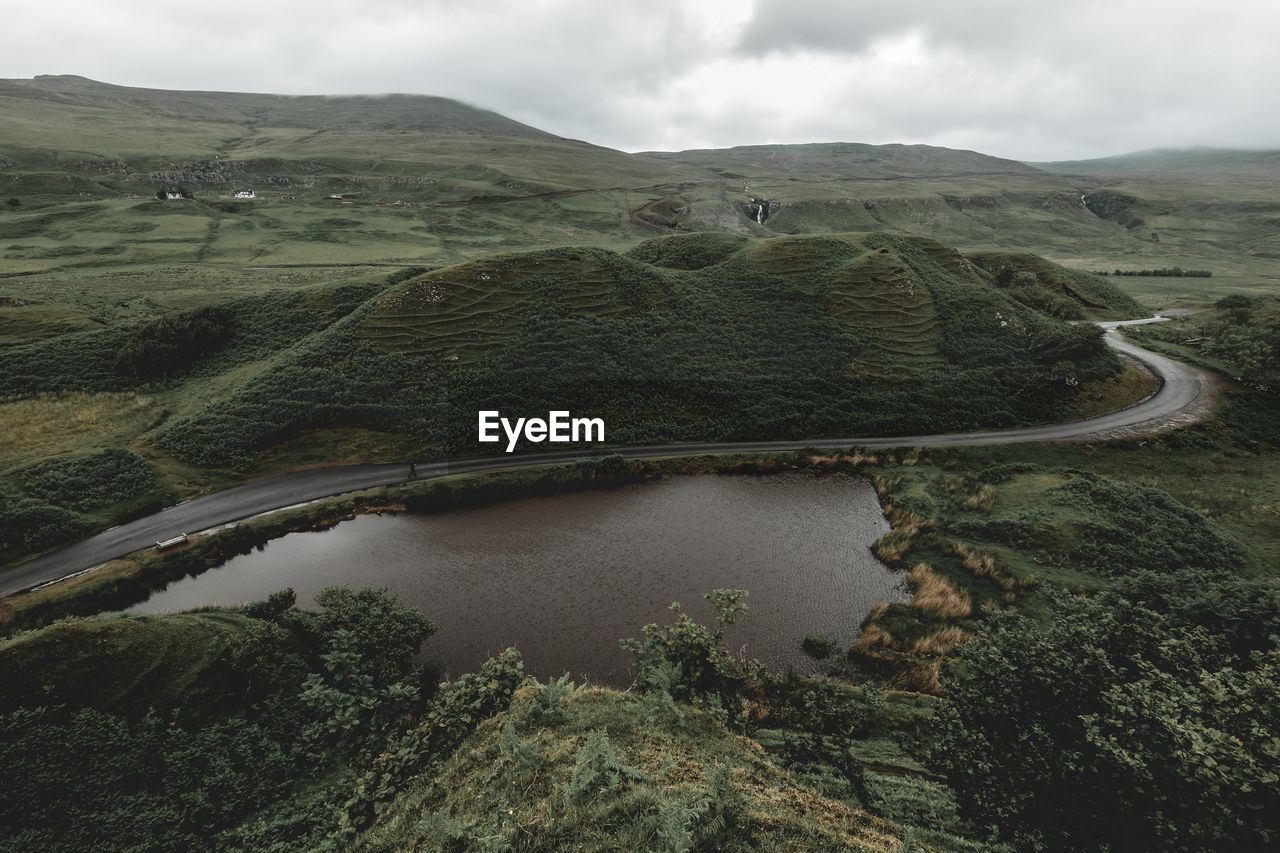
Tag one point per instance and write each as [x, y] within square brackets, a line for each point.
[1209, 209]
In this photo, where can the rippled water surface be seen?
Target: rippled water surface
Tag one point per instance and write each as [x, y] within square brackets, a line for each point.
[563, 577]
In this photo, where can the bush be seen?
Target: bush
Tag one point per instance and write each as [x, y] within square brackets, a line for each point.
[170, 344]
[1140, 527]
[819, 648]
[1112, 727]
[385, 634]
[86, 483]
[689, 661]
[97, 781]
[29, 525]
[458, 708]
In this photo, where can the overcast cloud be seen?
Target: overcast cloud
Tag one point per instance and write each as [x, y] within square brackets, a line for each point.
[1014, 78]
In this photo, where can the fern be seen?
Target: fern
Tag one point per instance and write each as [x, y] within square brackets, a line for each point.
[547, 708]
[597, 769]
[526, 755]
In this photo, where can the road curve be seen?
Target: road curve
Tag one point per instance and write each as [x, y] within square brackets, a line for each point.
[1185, 394]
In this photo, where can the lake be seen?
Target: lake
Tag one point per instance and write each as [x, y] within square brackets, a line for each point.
[563, 577]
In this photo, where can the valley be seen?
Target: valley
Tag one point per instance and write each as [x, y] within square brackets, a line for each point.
[241, 315]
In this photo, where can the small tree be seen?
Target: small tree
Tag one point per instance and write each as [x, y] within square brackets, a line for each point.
[690, 660]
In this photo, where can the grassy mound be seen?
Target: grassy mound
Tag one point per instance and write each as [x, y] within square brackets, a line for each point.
[1046, 286]
[128, 665]
[788, 338]
[598, 770]
[688, 251]
[462, 313]
[878, 291]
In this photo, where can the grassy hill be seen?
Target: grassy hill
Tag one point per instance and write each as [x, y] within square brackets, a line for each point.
[689, 337]
[413, 180]
[607, 771]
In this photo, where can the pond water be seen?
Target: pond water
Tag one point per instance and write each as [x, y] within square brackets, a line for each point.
[563, 577]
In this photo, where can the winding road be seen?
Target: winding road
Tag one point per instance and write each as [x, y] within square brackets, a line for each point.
[1185, 394]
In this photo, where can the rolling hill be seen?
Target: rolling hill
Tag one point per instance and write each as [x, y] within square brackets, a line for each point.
[417, 180]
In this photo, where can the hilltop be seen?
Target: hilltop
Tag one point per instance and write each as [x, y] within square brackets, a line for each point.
[1166, 161]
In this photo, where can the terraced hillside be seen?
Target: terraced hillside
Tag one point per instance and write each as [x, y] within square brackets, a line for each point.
[691, 337]
[463, 312]
[1064, 293]
[879, 291]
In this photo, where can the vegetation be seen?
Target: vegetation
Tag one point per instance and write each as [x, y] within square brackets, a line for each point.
[1240, 334]
[877, 337]
[1057, 291]
[1088, 657]
[50, 502]
[565, 781]
[1115, 726]
[172, 343]
[1171, 272]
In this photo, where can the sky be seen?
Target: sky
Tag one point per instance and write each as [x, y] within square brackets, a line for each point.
[1022, 79]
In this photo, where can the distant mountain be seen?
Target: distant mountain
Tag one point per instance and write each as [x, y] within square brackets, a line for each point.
[844, 160]
[50, 99]
[465, 182]
[1167, 161]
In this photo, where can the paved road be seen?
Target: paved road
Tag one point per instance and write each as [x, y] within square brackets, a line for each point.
[1185, 394]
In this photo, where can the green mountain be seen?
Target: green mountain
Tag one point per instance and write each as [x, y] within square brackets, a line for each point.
[1196, 162]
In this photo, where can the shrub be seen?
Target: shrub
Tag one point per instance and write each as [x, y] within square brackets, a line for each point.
[29, 525]
[385, 634]
[1139, 527]
[86, 483]
[458, 708]
[820, 648]
[170, 344]
[1112, 727]
[689, 660]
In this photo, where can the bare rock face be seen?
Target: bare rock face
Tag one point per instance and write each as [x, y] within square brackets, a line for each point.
[197, 172]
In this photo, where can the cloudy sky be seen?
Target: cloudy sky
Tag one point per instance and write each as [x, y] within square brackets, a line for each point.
[1015, 78]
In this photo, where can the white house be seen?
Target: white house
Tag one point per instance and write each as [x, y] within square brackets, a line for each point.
[245, 194]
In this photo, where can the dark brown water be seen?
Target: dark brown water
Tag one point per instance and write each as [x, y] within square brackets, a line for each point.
[563, 577]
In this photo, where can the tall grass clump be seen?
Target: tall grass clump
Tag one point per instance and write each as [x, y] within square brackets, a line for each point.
[935, 596]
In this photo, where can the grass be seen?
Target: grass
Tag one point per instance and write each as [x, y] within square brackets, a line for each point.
[51, 425]
[880, 292]
[935, 597]
[464, 312]
[463, 178]
[1097, 397]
